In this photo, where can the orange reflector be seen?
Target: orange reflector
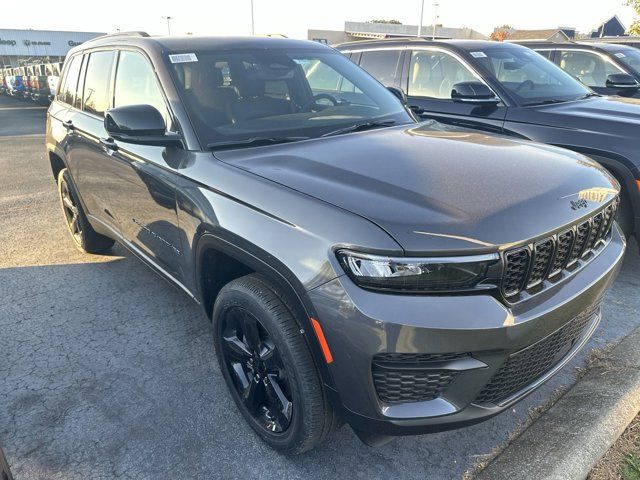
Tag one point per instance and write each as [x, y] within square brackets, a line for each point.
[638, 182]
[323, 341]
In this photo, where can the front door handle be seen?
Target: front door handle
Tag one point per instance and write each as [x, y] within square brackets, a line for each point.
[68, 125]
[108, 144]
[416, 109]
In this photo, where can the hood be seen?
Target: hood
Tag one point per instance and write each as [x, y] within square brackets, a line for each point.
[613, 116]
[436, 189]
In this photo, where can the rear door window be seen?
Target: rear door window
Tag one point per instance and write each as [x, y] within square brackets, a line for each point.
[97, 82]
[382, 64]
[70, 82]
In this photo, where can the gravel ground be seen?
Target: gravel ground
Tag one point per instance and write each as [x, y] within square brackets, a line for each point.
[108, 372]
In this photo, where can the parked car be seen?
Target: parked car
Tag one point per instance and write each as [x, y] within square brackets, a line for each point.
[15, 85]
[606, 68]
[508, 89]
[39, 88]
[52, 71]
[3, 88]
[27, 74]
[403, 277]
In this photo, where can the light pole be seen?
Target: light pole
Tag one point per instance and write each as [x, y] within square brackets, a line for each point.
[168, 19]
[253, 28]
[420, 24]
[435, 20]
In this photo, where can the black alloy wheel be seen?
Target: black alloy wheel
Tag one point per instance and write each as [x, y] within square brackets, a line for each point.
[253, 361]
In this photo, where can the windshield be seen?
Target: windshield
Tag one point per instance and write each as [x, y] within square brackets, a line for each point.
[237, 98]
[629, 57]
[529, 77]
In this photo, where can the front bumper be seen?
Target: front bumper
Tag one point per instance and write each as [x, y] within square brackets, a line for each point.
[483, 341]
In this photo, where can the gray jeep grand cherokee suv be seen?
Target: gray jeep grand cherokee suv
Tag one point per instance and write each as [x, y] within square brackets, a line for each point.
[358, 266]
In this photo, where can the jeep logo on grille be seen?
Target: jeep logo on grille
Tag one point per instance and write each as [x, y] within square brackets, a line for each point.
[578, 204]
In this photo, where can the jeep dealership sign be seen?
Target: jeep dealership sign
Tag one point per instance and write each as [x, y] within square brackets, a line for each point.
[28, 43]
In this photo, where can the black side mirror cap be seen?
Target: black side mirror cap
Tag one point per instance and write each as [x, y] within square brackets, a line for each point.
[622, 81]
[399, 94]
[476, 93]
[139, 124]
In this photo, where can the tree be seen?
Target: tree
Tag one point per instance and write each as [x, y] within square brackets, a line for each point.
[394, 22]
[634, 29]
[500, 34]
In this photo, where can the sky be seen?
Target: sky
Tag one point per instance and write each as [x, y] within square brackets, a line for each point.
[293, 17]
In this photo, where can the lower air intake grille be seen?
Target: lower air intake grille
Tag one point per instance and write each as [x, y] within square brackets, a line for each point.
[399, 386]
[404, 377]
[524, 367]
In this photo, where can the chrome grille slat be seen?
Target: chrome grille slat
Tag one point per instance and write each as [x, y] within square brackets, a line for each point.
[527, 267]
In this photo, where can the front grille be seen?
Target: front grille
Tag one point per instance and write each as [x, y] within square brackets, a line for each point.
[542, 254]
[527, 267]
[524, 367]
[402, 377]
[515, 271]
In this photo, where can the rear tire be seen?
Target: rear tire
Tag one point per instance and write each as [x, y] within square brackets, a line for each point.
[252, 300]
[84, 237]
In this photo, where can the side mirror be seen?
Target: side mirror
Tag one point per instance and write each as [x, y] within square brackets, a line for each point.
[139, 124]
[622, 81]
[476, 93]
[399, 93]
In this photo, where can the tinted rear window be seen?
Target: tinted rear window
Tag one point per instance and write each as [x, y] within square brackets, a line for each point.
[382, 64]
[97, 82]
[70, 82]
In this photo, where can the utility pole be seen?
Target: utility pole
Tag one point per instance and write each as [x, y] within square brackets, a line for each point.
[253, 26]
[168, 19]
[435, 20]
[420, 24]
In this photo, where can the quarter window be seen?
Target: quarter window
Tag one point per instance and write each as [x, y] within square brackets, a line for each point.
[68, 90]
[136, 84]
[590, 68]
[96, 84]
[433, 74]
[382, 64]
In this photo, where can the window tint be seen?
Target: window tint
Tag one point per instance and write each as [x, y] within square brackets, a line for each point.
[97, 80]
[68, 90]
[590, 68]
[529, 77]
[382, 64]
[324, 79]
[136, 84]
[433, 74]
[546, 53]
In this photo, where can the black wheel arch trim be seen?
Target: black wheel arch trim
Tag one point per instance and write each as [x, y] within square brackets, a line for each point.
[265, 264]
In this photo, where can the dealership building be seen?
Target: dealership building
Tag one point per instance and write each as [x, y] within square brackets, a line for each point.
[23, 47]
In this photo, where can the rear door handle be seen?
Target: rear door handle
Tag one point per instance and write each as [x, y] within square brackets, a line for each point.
[108, 144]
[68, 125]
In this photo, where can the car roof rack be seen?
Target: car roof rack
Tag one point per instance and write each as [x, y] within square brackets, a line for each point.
[122, 34]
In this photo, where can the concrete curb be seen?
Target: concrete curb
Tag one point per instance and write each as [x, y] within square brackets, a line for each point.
[4, 467]
[569, 439]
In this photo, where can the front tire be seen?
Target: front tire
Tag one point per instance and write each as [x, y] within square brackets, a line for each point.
[268, 367]
[84, 237]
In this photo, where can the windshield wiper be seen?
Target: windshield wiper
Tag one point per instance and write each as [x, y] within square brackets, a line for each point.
[253, 142]
[360, 127]
[543, 102]
[589, 95]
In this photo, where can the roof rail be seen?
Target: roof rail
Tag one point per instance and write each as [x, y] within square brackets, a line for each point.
[122, 34]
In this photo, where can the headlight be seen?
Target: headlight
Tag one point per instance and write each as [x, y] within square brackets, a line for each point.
[414, 275]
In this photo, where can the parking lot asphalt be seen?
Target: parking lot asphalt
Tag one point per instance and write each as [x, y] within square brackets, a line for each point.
[106, 371]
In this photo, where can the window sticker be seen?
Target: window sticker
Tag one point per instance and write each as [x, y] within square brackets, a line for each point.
[620, 55]
[183, 58]
[478, 55]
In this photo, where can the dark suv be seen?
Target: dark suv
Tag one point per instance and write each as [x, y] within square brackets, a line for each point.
[357, 265]
[508, 89]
